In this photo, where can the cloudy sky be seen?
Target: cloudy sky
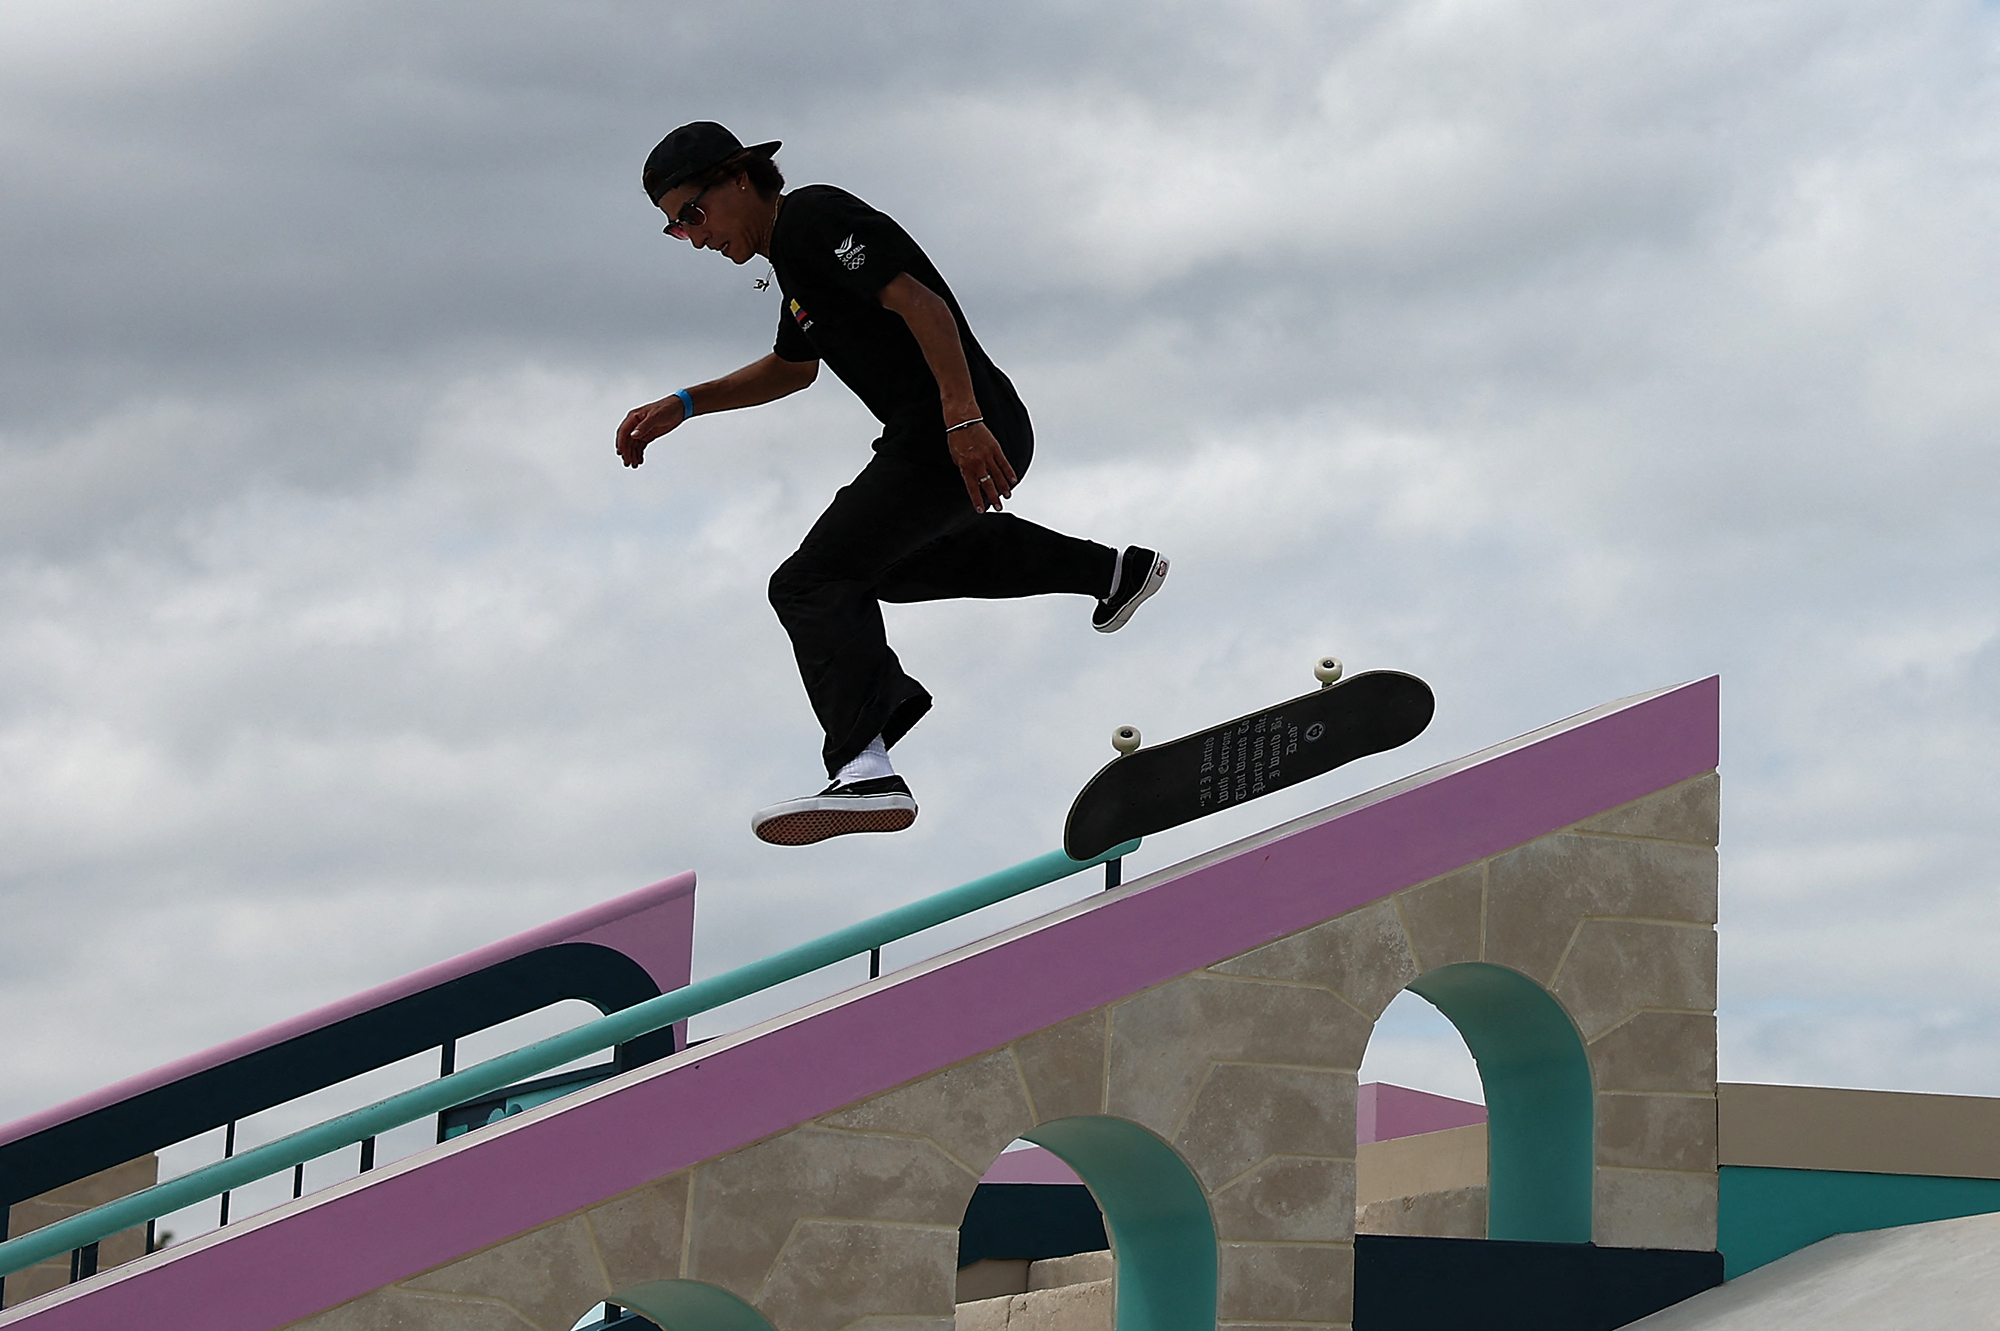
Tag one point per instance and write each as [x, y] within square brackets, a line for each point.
[1551, 350]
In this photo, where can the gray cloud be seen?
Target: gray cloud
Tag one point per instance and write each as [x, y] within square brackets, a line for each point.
[1552, 351]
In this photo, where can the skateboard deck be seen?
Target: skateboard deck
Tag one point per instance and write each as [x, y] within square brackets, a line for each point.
[1153, 789]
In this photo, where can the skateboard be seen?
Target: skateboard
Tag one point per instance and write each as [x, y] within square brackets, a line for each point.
[1144, 791]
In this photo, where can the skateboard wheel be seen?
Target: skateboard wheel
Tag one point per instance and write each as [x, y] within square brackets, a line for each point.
[1327, 669]
[1125, 739]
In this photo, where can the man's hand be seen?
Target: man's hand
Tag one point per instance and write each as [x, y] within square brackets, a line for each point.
[645, 424]
[760, 381]
[989, 477]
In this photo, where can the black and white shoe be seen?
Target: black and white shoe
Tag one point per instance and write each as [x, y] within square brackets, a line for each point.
[1140, 573]
[883, 804]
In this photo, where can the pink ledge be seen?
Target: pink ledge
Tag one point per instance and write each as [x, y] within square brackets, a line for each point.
[654, 926]
[1383, 1112]
[476, 1191]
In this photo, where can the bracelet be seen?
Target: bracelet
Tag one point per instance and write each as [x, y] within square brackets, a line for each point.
[687, 403]
[976, 420]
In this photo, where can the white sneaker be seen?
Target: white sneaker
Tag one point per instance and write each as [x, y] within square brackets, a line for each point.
[1140, 573]
[883, 804]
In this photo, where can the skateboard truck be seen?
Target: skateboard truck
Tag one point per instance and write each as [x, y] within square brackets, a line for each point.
[1125, 739]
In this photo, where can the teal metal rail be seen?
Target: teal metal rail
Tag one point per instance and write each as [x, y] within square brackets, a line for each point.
[485, 1078]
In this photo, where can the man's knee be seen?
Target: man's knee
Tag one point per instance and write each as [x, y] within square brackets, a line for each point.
[785, 585]
[797, 582]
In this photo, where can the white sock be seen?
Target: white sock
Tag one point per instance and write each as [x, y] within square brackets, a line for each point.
[1117, 574]
[866, 765]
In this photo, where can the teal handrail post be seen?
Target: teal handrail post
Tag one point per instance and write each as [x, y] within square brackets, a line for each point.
[530, 1060]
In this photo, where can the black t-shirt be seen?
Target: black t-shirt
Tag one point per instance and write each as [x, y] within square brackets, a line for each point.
[833, 254]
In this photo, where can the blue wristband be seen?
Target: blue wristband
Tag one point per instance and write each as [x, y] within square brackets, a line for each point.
[687, 403]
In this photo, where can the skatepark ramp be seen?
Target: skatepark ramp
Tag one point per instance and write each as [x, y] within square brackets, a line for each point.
[1943, 1275]
[1187, 1043]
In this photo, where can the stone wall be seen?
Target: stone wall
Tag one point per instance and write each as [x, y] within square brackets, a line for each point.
[1245, 1068]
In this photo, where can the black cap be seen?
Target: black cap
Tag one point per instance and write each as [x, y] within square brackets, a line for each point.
[691, 149]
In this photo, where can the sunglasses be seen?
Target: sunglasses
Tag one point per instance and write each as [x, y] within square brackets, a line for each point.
[691, 214]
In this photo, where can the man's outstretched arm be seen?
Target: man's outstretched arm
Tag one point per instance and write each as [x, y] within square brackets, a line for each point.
[759, 382]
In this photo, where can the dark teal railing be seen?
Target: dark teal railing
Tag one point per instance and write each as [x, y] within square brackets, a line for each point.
[485, 1078]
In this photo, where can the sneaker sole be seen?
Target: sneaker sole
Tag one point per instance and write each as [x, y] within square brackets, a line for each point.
[805, 826]
[1155, 577]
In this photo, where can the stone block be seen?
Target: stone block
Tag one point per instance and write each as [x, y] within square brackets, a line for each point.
[1656, 1051]
[399, 1310]
[1674, 1132]
[1288, 1200]
[991, 1278]
[122, 1247]
[971, 1110]
[74, 1198]
[1445, 919]
[1063, 1067]
[1245, 1113]
[1079, 1269]
[984, 1314]
[746, 1202]
[37, 1280]
[1646, 1208]
[1163, 1040]
[1690, 812]
[1618, 966]
[639, 1235]
[1084, 1307]
[1450, 1213]
[1292, 1282]
[834, 1273]
[106, 1185]
[548, 1275]
[36, 1212]
[1536, 894]
[1362, 956]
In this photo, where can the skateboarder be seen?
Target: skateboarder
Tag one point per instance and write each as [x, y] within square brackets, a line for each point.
[923, 520]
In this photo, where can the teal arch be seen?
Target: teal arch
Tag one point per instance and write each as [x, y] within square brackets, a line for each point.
[1539, 1107]
[1157, 1217]
[690, 1305]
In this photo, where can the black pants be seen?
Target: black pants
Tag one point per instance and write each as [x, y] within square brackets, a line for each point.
[905, 530]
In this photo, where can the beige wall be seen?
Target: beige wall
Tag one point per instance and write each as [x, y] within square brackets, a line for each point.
[107, 1185]
[1869, 1132]
[1432, 1183]
[1246, 1068]
[1425, 1162]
